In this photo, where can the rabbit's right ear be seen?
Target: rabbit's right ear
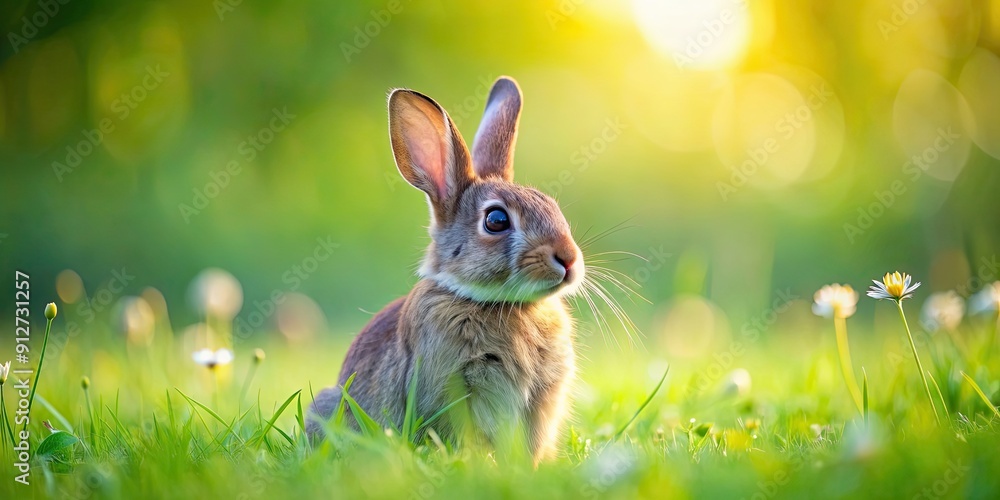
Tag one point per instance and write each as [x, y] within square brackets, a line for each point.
[428, 149]
[493, 146]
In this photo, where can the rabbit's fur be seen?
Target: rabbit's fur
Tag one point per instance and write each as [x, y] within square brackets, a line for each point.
[488, 318]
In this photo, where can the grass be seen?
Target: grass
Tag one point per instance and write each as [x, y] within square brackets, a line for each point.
[144, 425]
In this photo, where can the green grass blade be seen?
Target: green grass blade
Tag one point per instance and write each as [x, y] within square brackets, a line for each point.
[621, 431]
[411, 399]
[368, 425]
[170, 413]
[864, 395]
[940, 395]
[124, 436]
[59, 416]
[274, 418]
[156, 428]
[228, 426]
[440, 412]
[982, 395]
[342, 407]
[300, 417]
[208, 410]
[285, 435]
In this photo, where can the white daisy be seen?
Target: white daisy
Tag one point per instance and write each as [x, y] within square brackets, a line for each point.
[895, 286]
[942, 310]
[835, 300]
[986, 300]
[211, 359]
[737, 383]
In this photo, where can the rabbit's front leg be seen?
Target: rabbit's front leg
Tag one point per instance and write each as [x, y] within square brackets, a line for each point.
[497, 406]
[549, 407]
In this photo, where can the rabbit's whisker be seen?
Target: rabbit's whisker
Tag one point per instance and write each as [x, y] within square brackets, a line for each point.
[631, 330]
[607, 275]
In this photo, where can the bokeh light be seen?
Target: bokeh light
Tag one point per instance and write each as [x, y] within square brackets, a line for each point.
[215, 292]
[181, 176]
[136, 320]
[932, 121]
[978, 84]
[69, 286]
[711, 34]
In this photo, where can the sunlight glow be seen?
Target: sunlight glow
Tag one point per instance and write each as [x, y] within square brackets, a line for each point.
[711, 34]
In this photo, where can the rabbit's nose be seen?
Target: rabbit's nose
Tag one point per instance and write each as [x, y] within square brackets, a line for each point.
[565, 259]
[565, 256]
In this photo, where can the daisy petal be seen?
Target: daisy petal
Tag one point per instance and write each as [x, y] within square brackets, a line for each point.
[223, 356]
[203, 356]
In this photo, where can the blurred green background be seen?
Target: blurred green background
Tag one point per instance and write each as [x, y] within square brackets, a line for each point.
[747, 149]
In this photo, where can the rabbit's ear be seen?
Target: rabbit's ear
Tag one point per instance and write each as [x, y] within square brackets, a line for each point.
[493, 147]
[428, 149]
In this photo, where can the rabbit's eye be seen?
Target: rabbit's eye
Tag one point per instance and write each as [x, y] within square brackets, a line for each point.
[496, 221]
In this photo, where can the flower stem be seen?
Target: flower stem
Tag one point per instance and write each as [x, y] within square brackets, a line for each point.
[840, 324]
[246, 381]
[38, 371]
[993, 336]
[90, 416]
[920, 366]
[215, 390]
[6, 423]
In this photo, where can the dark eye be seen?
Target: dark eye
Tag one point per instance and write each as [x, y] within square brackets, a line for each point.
[496, 220]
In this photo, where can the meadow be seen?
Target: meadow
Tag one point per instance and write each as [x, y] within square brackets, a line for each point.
[190, 175]
[126, 409]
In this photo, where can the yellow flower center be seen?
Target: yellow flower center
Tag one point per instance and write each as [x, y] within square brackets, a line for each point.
[895, 283]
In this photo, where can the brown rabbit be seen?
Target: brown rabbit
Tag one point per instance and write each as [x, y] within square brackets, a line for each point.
[488, 318]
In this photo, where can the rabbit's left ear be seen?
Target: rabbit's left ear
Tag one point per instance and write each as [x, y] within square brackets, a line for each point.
[429, 151]
[493, 147]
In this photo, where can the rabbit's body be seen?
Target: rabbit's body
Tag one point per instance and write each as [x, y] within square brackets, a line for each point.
[488, 321]
[515, 361]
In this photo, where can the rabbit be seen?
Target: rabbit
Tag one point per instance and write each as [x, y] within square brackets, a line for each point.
[488, 319]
